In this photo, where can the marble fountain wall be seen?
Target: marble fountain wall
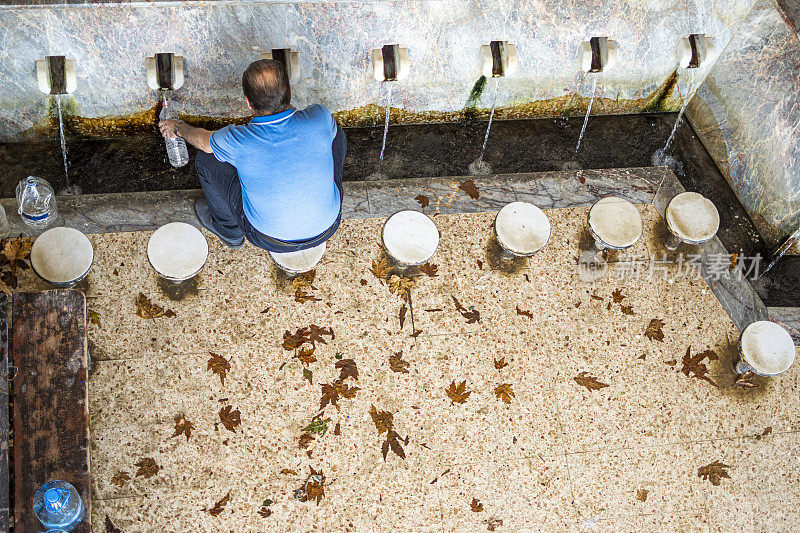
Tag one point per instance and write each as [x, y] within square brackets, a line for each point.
[219, 38]
[748, 116]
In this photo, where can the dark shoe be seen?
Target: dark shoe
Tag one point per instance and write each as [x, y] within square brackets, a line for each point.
[203, 213]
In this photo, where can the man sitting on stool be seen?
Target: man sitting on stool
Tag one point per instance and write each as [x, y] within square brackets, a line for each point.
[277, 180]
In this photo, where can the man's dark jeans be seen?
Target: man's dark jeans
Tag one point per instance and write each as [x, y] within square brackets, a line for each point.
[223, 191]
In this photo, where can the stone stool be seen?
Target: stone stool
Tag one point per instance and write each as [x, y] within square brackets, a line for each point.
[177, 251]
[691, 218]
[410, 238]
[62, 256]
[296, 263]
[766, 349]
[521, 229]
[614, 223]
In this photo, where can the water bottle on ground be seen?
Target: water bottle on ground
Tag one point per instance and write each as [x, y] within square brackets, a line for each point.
[37, 202]
[58, 505]
[176, 146]
[5, 227]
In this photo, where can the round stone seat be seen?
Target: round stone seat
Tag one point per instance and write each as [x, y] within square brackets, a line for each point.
[766, 349]
[62, 256]
[615, 223]
[177, 251]
[410, 238]
[295, 263]
[691, 218]
[522, 229]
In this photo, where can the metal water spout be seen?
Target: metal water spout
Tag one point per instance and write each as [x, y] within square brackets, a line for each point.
[290, 60]
[390, 63]
[694, 50]
[56, 75]
[499, 59]
[164, 71]
[598, 54]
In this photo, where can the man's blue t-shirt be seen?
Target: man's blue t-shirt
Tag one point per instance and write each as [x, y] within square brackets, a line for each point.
[285, 165]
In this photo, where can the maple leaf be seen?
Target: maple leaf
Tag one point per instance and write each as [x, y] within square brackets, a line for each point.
[305, 280]
[641, 494]
[395, 443]
[470, 188]
[527, 314]
[332, 391]
[430, 270]
[147, 467]
[714, 472]
[693, 366]
[305, 440]
[423, 200]
[400, 285]
[302, 296]
[626, 309]
[347, 369]
[288, 472]
[476, 506]
[16, 252]
[590, 382]
[458, 393]
[306, 354]
[120, 478]
[380, 267]
[146, 310]
[472, 315]
[402, 316]
[500, 363]
[494, 523]
[745, 381]
[110, 527]
[397, 364]
[383, 420]
[230, 418]
[94, 318]
[316, 333]
[504, 392]
[317, 425]
[219, 365]
[265, 511]
[617, 296]
[9, 278]
[315, 486]
[292, 341]
[653, 330]
[219, 506]
[183, 427]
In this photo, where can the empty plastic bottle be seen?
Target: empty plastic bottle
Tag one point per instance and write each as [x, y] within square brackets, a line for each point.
[176, 146]
[58, 505]
[37, 202]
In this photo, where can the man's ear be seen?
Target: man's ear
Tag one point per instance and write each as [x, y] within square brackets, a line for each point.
[249, 106]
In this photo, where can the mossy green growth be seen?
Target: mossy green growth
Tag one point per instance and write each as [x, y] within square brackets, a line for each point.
[470, 108]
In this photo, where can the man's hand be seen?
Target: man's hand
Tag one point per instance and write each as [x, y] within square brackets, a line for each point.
[167, 128]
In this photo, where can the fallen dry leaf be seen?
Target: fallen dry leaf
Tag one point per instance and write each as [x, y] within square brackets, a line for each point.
[308, 375]
[397, 364]
[402, 317]
[504, 392]
[288, 472]
[337, 430]
[183, 427]
[430, 270]
[693, 366]
[626, 309]
[230, 418]
[94, 318]
[470, 188]
[714, 472]
[745, 381]
[347, 369]
[315, 486]
[653, 330]
[458, 393]
[147, 467]
[400, 285]
[219, 365]
[219, 506]
[383, 420]
[305, 440]
[395, 443]
[526, 314]
[472, 315]
[147, 310]
[641, 494]
[120, 478]
[476, 506]
[767, 431]
[332, 391]
[302, 296]
[381, 268]
[588, 381]
[617, 296]
[500, 363]
[493, 523]
[306, 354]
[16, 252]
[423, 200]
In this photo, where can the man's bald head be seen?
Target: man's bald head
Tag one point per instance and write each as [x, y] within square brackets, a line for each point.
[266, 85]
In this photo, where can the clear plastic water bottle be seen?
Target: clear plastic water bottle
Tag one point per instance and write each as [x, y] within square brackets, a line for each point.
[176, 146]
[58, 505]
[37, 202]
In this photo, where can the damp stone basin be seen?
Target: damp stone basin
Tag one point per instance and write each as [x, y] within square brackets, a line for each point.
[410, 238]
[766, 349]
[295, 263]
[62, 256]
[615, 223]
[522, 229]
[177, 251]
[691, 218]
